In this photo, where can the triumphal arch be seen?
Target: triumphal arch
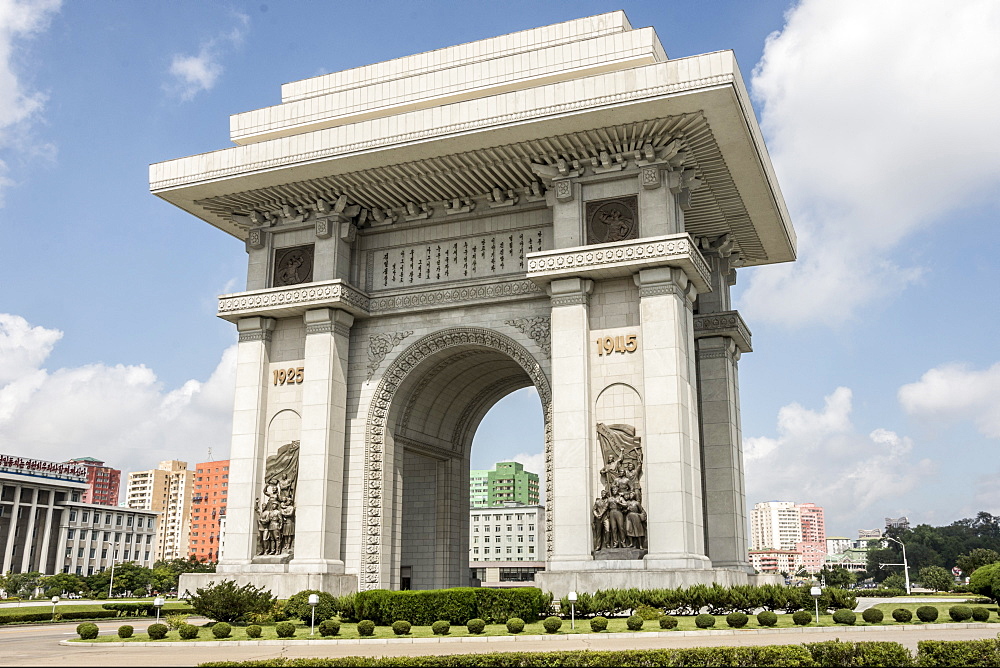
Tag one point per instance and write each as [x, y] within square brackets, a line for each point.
[563, 208]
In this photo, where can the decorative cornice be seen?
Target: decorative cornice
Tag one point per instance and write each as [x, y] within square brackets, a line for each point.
[661, 289]
[257, 335]
[622, 258]
[538, 328]
[726, 324]
[380, 345]
[321, 328]
[294, 300]
[372, 576]
[570, 300]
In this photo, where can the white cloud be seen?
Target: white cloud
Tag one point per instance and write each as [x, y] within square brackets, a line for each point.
[819, 456]
[195, 73]
[880, 120]
[121, 414]
[954, 392]
[20, 20]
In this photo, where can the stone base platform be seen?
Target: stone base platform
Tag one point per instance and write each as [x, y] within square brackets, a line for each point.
[281, 585]
[560, 583]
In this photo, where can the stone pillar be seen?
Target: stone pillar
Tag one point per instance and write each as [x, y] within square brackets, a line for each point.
[571, 423]
[28, 540]
[47, 534]
[319, 491]
[8, 553]
[248, 446]
[673, 462]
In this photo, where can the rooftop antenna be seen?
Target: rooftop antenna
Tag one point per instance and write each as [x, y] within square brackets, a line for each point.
[210, 454]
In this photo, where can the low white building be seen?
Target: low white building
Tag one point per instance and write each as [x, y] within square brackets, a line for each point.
[776, 561]
[506, 544]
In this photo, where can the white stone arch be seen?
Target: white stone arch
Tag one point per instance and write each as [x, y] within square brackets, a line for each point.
[376, 531]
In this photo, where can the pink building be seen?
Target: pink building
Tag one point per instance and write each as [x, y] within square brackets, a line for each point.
[813, 544]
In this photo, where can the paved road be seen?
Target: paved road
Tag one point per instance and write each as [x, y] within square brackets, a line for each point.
[39, 645]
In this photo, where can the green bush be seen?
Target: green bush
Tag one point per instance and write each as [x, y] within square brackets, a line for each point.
[737, 620]
[157, 631]
[836, 653]
[767, 618]
[176, 621]
[47, 616]
[221, 630]
[598, 624]
[441, 627]
[297, 606]
[927, 613]
[457, 605]
[880, 592]
[635, 622]
[667, 622]
[329, 627]
[225, 602]
[131, 609]
[648, 612]
[704, 621]
[87, 631]
[959, 652]
[985, 581]
[125, 631]
[284, 629]
[843, 616]
[552, 624]
[254, 631]
[188, 632]
[401, 627]
[366, 627]
[873, 616]
[960, 613]
[902, 615]
[801, 618]
[515, 625]
[981, 614]
[476, 626]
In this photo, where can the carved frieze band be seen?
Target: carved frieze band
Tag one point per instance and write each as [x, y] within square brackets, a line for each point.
[678, 250]
[256, 335]
[538, 328]
[380, 345]
[570, 300]
[305, 296]
[438, 298]
[371, 576]
[725, 323]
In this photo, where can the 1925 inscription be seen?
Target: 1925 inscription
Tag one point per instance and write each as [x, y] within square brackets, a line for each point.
[290, 376]
[627, 343]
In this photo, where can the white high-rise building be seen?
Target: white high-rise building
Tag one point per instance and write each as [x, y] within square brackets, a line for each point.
[775, 525]
[165, 489]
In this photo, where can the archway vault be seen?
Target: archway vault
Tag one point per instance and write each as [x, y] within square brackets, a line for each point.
[429, 402]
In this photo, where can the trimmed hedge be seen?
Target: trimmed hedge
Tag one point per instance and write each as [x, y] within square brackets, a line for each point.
[634, 623]
[188, 631]
[836, 653]
[553, 624]
[873, 616]
[960, 613]
[737, 620]
[927, 613]
[801, 618]
[667, 622]
[958, 653]
[329, 627]
[401, 628]
[131, 609]
[845, 617]
[476, 626]
[457, 605]
[598, 624]
[284, 629]
[87, 631]
[221, 630]
[704, 621]
[441, 627]
[902, 615]
[254, 631]
[981, 614]
[881, 592]
[366, 627]
[515, 625]
[125, 631]
[159, 631]
[66, 616]
[767, 618]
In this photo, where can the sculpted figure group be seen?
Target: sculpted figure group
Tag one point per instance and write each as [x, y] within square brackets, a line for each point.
[276, 517]
[619, 520]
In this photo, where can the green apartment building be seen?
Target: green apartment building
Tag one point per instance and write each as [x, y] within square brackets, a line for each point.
[508, 482]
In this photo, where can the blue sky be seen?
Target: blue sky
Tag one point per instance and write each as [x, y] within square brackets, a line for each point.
[874, 384]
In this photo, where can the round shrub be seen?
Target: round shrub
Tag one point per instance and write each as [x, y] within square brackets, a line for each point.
[872, 616]
[704, 621]
[598, 624]
[366, 627]
[981, 614]
[845, 616]
[157, 631]
[221, 630]
[188, 632]
[297, 606]
[737, 620]
[254, 631]
[476, 626]
[927, 613]
[329, 627]
[87, 631]
[960, 613]
[125, 631]
[902, 615]
[552, 624]
[441, 627]
[401, 627]
[515, 625]
[801, 618]
[284, 629]
[634, 623]
[767, 618]
[667, 622]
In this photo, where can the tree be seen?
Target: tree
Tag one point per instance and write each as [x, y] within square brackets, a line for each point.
[986, 581]
[130, 578]
[225, 602]
[976, 558]
[22, 585]
[66, 583]
[838, 576]
[936, 578]
[166, 574]
[895, 581]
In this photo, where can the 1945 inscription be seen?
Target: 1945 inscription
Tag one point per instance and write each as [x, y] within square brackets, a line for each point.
[607, 345]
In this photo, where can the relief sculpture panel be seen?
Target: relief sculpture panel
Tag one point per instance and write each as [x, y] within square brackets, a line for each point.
[274, 510]
[619, 519]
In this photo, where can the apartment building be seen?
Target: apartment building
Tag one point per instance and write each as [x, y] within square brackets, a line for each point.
[506, 544]
[103, 482]
[167, 490]
[208, 510]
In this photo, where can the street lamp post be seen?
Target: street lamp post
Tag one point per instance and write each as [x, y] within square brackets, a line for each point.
[111, 584]
[572, 609]
[816, 592]
[158, 603]
[313, 602]
[905, 565]
[55, 602]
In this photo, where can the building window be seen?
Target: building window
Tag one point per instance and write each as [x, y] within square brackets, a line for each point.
[72, 515]
[93, 552]
[70, 534]
[118, 520]
[79, 553]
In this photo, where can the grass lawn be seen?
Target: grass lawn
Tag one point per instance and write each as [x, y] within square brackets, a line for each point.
[942, 609]
[615, 625]
[171, 606]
